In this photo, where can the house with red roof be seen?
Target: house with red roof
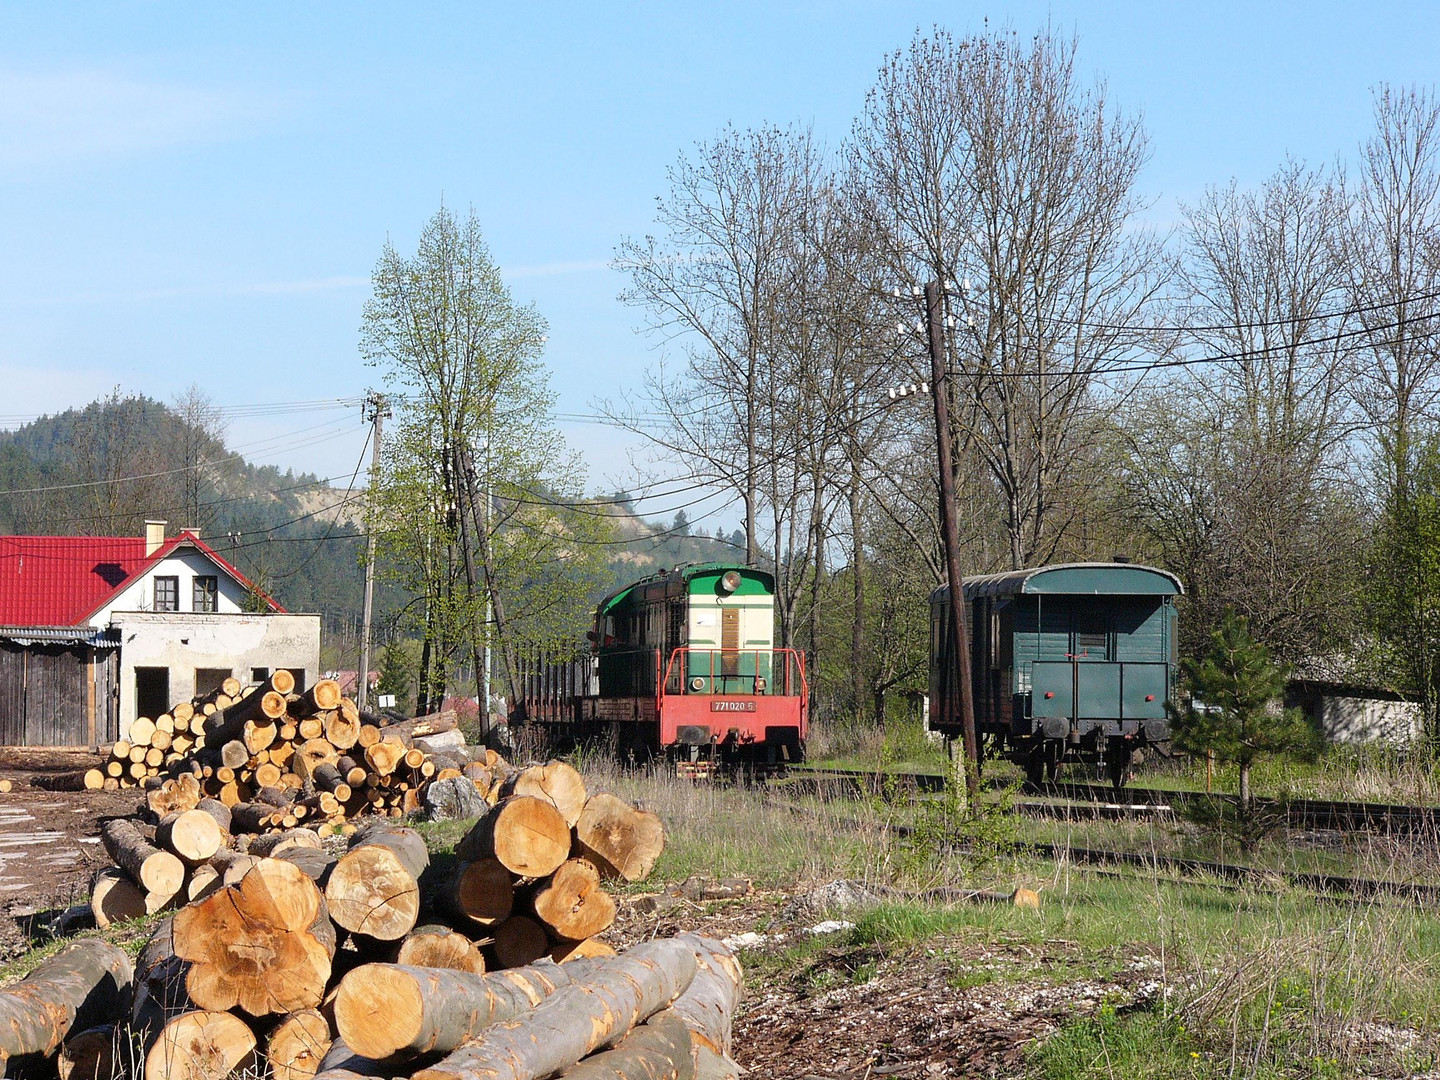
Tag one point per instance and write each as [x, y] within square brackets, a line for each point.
[97, 630]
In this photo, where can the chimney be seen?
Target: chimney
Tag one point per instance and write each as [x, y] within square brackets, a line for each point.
[154, 537]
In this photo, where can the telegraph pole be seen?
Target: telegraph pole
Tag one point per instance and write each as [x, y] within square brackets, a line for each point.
[376, 410]
[950, 534]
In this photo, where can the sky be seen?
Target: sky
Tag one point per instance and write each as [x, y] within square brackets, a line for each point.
[197, 194]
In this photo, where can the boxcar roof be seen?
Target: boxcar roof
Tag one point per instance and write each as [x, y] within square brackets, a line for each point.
[1074, 579]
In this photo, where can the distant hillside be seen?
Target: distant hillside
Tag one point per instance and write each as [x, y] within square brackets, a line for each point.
[104, 469]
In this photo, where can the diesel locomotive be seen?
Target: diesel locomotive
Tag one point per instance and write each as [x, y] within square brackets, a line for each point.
[682, 664]
[1073, 662]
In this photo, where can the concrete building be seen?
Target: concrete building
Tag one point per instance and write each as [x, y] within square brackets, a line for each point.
[95, 631]
[1347, 713]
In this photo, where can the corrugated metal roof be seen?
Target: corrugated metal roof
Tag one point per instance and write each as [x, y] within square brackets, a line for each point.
[1094, 578]
[60, 635]
[48, 581]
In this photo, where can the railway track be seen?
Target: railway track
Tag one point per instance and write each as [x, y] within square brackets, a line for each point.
[1320, 814]
[1330, 887]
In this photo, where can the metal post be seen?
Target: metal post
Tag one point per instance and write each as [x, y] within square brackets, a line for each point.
[376, 404]
[950, 534]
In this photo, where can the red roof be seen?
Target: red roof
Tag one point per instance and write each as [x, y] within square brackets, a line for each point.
[63, 580]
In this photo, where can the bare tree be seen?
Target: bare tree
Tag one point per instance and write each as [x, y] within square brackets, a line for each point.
[202, 430]
[988, 162]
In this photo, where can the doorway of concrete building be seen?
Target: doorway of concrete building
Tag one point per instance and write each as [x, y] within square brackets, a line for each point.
[152, 691]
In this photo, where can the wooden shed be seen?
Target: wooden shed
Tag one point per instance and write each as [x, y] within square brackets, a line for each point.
[59, 686]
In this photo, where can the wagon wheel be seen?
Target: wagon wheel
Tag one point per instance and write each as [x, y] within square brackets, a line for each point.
[1117, 762]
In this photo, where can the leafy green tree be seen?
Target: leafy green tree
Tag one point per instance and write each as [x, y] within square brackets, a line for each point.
[1233, 705]
[397, 672]
[477, 505]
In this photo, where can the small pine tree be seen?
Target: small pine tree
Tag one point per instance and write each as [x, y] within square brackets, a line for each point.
[397, 673]
[1233, 706]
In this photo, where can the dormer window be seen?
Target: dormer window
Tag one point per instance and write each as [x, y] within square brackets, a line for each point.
[206, 589]
[167, 594]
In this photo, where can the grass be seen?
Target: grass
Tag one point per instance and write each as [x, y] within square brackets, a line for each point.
[902, 746]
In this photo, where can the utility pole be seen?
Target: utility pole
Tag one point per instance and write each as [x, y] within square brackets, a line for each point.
[950, 534]
[376, 410]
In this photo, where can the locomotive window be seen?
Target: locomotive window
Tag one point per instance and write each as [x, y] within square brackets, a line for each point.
[1092, 638]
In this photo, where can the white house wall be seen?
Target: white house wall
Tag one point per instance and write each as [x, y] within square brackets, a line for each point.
[185, 564]
[233, 642]
[1358, 720]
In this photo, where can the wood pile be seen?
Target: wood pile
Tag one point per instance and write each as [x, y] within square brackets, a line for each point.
[278, 758]
[258, 980]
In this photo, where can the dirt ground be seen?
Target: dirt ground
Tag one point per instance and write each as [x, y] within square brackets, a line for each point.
[845, 1013]
[948, 1009]
[49, 840]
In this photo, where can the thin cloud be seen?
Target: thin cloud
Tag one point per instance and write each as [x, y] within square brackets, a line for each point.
[61, 116]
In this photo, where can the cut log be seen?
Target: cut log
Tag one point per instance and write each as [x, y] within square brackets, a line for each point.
[89, 1055]
[193, 835]
[234, 754]
[385, 755]
[342, 1063]
[708, 1004]
[217, 810]
[571, 904]
[264, 945]
[342, 731]
[555, 782]
[115, 898]
[201, 1046]
[157, 871]
[423, 726]
[312, 753]
[658, 1049]
[94, 779]
[482, 892]
[140, 731]
[297, 1045]
[527, 835]
[321, 697]
[233, 865]
[519, 941]
[181, 793]
[440, 947]
[258, 735]
[203, 881]
[386, 1009]
[577, 1019]
[373, 889]
[86, 985]
[591, 948]
[251, 817]
[273, 843]
[314, 863]
[621, 840]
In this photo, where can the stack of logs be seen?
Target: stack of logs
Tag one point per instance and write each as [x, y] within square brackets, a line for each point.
[278, 758]
[197, 1007]
[526, 881]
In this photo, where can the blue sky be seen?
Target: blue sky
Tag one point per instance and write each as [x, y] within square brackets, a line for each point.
[197, 193]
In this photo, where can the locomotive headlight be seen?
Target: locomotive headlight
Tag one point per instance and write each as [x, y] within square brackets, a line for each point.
[697, 684]
[760, 684]
[730, 581]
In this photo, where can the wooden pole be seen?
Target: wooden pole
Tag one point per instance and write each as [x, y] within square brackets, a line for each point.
[959, 638]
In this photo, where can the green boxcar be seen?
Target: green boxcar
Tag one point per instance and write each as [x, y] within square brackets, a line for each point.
[1073, 662]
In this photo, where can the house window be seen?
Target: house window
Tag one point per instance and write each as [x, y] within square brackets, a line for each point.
[167, 594]
[205, 590]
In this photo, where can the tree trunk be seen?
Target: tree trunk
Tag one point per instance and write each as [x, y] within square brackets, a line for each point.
[264, 945]
[193, 835]
[86, 985]
[115, 898]
[571, 904]
[342, 1063]
[158, 872]
[658, 1049]
[387, 1009]
[374, 887]
[89, 1055]
[577, 1019]
[528, 836]
[297, 1045]
[520, 941]
[621, 840]
[482, 892]
[708, 1004]
[201, 1046]
[556, 783]
[440, 947]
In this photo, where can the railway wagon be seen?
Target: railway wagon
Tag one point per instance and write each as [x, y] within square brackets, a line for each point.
[1073, 662]
[682, 663]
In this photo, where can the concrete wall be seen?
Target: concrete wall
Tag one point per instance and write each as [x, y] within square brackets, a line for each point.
[184, 563]
[1356, 720]
[237, 643]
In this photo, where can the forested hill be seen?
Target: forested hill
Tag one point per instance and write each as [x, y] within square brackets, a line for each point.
[104, 469]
